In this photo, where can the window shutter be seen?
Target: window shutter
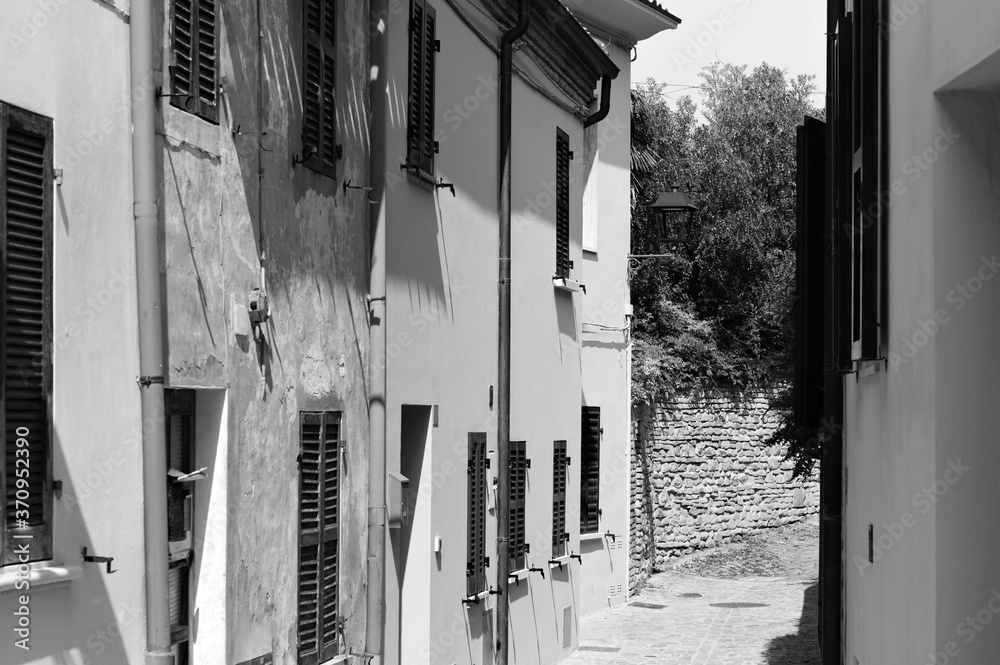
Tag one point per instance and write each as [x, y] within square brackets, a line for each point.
[476, 556]
[590, 470]
[319, 116]
[518, 490]
[319, 499]
[810, 272]
[26, 329]
[193, 75]
[559, 534]
[844, 201]
[562, 204]
[869, 216]
[420, 124]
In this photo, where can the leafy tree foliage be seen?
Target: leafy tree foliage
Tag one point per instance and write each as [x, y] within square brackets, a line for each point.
[717, 312]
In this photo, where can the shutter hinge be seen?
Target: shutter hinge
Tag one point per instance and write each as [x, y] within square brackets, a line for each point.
[437, 147]
[569, 461]
[572, 155]
[339, 151]
[487, 462]
[527, 548]
[486, 562]
[437, 45]
[527, 463]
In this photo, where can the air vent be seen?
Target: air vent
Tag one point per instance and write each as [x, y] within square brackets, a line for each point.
[615, 590]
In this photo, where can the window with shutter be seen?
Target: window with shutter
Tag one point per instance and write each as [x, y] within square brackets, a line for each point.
[518, 485]
[26, 332]
[590, 470]
[420, 143]
[319, 526]
[476, 555]
[180, 509]
[559, 535]
[563, 264]
[193, 76]
[319, 114]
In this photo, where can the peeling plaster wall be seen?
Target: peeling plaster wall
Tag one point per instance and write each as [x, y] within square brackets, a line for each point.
[219, 216]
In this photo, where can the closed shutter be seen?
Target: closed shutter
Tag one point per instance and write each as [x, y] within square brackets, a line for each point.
[193, 70]
[319, 116]
[518, 491]
[810, 272]
[26, 330]
[869, 214]
[420, 142]
[590, 470]
[562, 204]
[319, 561]
[559, 534]
[476, 555]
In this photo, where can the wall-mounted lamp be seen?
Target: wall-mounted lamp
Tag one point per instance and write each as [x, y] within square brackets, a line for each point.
[674, 210]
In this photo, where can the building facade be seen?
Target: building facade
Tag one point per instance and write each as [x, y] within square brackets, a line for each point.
[903, 236]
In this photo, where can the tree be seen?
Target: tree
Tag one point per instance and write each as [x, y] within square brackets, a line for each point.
[717, 313]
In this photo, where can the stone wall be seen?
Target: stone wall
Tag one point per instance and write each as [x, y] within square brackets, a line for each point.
[702, 476]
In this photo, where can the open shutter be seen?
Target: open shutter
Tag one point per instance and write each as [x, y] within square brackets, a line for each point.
[193, 70]
[518, 486]
[562, 204]
[476, 555]
[869, 214]
[844, 226]
[319, 502]
[810, 272]
[26, 329]
[183, 66]
[208, 89]
[559, 534]
[319, 113]
[420, 123]
[590, 470]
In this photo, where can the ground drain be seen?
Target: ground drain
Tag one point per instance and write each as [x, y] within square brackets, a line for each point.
[600, 649]
[647, 606]
[690, 595]
[735, 606]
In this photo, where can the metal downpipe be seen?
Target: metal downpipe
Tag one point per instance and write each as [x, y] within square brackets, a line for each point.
[605, 108]
[375, 622]
[504, 326]
[147, 265]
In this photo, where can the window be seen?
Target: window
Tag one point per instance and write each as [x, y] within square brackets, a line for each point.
[563, 156]
[559, 535]
[319, 115]
[26, 332]
[180, 507]
[590, 470]
[858, 135]
[517, 548]
[319, 525]
[420, 143]
[476, 557]
[193, 84]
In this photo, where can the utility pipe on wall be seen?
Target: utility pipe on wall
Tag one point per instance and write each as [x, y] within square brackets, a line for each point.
[147, 266]
[503, 333]
[375, 622]
[605, 108]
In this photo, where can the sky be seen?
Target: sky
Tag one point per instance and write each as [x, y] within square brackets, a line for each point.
[789, 34]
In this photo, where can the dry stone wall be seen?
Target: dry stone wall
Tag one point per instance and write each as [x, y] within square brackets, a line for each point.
[703, 476]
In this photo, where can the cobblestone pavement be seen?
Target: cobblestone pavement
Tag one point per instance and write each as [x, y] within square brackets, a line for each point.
[686, 625]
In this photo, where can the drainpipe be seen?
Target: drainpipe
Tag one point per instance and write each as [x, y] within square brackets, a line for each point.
[147, 266]
[605, 107]
[375, 623]
[503, 333]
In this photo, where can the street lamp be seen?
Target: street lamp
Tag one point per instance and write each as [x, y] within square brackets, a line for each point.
[667, 206]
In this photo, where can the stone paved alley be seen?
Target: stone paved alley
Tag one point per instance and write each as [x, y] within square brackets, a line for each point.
[686, 615]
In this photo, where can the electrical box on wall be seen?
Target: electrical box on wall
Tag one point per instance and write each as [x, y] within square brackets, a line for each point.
[398, 503]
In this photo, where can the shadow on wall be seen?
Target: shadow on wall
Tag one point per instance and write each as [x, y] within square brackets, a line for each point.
[801, 647]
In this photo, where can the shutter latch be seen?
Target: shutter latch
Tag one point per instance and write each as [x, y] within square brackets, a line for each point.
[99, 559]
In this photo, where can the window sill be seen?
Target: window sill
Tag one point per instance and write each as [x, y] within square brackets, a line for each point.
[570, 285]
[40, 574]
[559, 561]
[591, 536]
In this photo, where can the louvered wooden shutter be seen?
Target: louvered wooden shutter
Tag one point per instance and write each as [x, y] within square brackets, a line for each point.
[476, 555]
[420, 143]
[562, 204]
[26, 330]
[590, 470]
[518, 490]
[810, 270]
[194, 82]
[869, 213]
[319, 561]
[319, 117]
[843, 160]
[559, 534]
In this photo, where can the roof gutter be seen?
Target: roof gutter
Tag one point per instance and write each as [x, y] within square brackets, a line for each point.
[504, 324]
[605, 107]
